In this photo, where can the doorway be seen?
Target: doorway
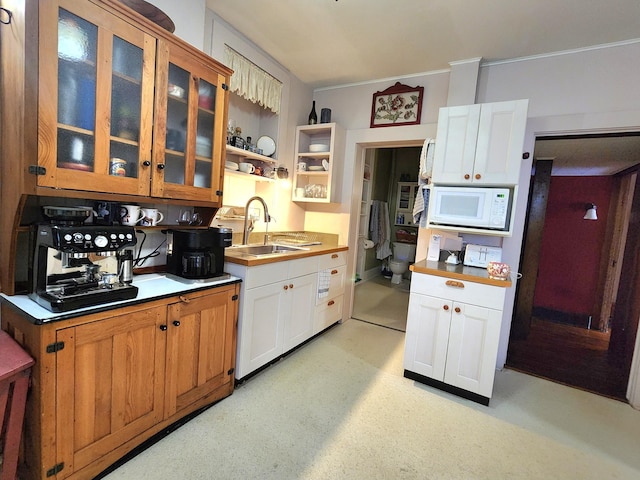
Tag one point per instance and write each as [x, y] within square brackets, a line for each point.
[376, 299]
[567, 326]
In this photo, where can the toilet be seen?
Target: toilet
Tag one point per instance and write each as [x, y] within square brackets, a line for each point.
[403, 255]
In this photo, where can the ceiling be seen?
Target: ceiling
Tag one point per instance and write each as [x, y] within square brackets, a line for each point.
[328, 43]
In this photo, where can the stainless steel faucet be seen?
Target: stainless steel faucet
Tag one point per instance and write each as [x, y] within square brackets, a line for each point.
[248, 221]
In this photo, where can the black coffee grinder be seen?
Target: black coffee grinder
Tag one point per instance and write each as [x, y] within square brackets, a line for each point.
[197, 254]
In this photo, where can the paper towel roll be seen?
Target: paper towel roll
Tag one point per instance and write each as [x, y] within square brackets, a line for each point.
[368, 244]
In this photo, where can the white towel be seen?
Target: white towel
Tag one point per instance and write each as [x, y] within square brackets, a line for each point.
[421, 202]
[426, 161]
[324, 279]
[384, 250]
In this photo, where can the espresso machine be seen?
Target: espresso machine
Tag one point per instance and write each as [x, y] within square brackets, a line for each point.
[197, 254]
[76, 265]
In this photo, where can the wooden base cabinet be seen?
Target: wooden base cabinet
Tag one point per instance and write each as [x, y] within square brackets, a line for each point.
[106, 382]
[453, 334]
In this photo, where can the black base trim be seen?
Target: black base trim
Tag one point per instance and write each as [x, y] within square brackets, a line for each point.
[153, 440]
[248, 376]
[460, 392]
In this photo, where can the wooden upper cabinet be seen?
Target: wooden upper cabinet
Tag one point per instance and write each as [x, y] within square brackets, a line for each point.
[124, 111]
[190, 138]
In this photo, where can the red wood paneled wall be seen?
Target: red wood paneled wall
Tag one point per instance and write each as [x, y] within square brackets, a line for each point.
[571, 246]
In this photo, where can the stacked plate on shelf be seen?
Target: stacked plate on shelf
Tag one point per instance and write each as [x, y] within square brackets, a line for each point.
[230, 165]
[318, 147]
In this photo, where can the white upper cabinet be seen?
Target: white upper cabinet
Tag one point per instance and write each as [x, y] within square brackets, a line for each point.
[480, 144]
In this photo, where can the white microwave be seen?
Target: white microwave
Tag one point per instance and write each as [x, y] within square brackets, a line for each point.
[470, 207]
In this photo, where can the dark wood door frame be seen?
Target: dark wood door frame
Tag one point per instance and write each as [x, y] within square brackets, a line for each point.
[530, 259]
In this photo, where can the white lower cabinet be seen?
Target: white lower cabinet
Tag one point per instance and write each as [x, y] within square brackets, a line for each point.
[280, 307]
[453, 330]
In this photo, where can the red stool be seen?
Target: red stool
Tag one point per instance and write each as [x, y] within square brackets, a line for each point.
[15, 369]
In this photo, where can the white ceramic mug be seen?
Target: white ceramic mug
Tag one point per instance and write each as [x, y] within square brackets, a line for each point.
[151, 217]
[130, 215]
[302, 167]
[247, 167]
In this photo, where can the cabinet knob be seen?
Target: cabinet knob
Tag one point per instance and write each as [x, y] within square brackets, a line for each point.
[160, 166]
[146, 163]
[291, 285]
[457, 309]
[478, 176]
[333, 272]
[445, 307]
[286, 287]
[467, 176]
[176, 323]
[184, 299]
[163, 327]
[331, 302]
[335, 255]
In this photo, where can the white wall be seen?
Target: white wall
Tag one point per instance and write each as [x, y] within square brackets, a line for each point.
[295, 98]
[582, 91]
[188, 17]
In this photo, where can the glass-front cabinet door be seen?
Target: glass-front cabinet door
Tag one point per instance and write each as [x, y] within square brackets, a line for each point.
[95, 100]
[188, 149]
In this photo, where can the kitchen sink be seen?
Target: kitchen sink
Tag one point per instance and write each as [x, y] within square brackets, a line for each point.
[262, 250]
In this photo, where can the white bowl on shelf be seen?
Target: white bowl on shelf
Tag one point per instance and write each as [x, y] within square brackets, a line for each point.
[318, 147]
[315, 168]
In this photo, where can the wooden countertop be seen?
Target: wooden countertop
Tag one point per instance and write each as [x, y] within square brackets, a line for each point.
[308, 251]
[458, 272]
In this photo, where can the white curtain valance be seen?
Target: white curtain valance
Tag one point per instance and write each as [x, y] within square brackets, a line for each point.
[252, 82]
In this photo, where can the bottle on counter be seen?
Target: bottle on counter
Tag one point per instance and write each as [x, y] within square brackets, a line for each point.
[313, 117]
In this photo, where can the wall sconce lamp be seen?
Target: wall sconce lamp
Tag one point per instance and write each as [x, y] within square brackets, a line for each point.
[591, 212]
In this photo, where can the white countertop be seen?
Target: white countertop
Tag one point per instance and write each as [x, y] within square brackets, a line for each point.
[150, 287]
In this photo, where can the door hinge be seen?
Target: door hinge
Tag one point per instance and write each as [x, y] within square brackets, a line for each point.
[234, 298]
[55, 347]
[55, 470]
[37, 170]
[219, 193]
[231, 370]
[225, 86]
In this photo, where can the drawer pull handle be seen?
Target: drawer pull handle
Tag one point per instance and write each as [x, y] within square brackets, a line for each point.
[184, 299]
[330, 302]
[453, 283]
[335, 255]
[457, 309]
[445, 307]
[333, 272]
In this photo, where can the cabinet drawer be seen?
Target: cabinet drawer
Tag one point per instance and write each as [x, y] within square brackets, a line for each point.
[336, 282]
[331, 260]
[327, 313]
[459, 290]
[302, 266]
[259, 275]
